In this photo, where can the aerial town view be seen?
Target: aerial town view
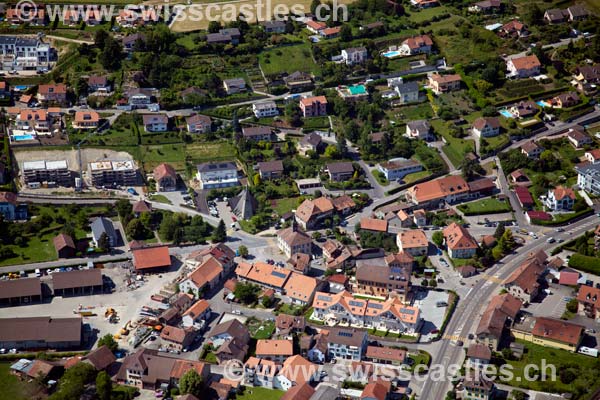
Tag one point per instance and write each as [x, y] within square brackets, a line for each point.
[311, 200]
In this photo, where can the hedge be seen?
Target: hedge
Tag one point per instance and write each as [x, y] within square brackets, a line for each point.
[574, 216]
[585, 263]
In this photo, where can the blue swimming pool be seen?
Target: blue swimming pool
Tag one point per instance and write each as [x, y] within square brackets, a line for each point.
[506, 113]
[21, 87]
[542, 103]
[21, 138]
[391, 54]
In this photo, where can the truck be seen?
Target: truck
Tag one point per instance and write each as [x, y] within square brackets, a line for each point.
[588, 351]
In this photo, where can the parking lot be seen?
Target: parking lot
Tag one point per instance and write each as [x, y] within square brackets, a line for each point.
[554, 304]
[433, 316]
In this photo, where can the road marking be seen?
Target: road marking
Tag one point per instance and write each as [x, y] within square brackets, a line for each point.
[491, 278]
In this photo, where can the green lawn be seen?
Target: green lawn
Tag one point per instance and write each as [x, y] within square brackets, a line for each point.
[584, 368]
[12, 387]
[173, 154]
[411, 113]
[203, 152]
[485, 206]
[261, 329]
[282, 206]
[288, 59]
[410, 178]
[160, 198]
[259, 393]
[455, 148]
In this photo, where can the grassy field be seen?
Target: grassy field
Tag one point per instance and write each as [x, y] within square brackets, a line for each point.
[411, 113]
[410, 178]
[173, 154]
[583, 367]
[159, 198]
[261, 329]
[12, 387]
[203, 152]
[282, 206]
[455, 148]
[288, 59]
[259, 393]
[485, 206]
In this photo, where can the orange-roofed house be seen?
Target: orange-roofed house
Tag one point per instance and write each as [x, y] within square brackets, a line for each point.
[560, 198]
[459, 241]
[315, 26]
[299, 392]
[444, 83]
[373, 224]
[151, 258]
[526, 282]
[86, 119]
[275, 350]
[524, 67]
[205, 277]
[377, 390]
[263, 274]
[589, 302]
[413, 241]
[416, 45]
[300, 288]
[261, 372]
[177, 338]
[330, 33]
[37, 120]
[311, 213]
[593, 156]
[53, 93]
[165, 177]
[449, 189]
[549, 332]
[196, 315]
[313, 106]
[297, 371]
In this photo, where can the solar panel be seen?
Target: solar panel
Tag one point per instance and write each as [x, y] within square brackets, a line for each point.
[356, 303]
[345, 334]
[408, 311]
[397, 270]
[278, 274]
[323, 298]
[376, 306]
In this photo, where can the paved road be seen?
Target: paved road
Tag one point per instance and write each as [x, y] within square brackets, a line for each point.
[468, 313]
[516, 206]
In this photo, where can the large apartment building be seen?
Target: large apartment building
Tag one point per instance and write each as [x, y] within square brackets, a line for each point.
[217, 174]
[20, 53]
[50, 173]
[113, 173]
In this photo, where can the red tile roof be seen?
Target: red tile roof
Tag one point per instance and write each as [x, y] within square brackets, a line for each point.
[151, 257]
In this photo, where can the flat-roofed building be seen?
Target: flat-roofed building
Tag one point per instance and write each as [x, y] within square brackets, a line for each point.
[50, 173]
[113, 173]
[218, 174]
[86, 281]
[40, 333]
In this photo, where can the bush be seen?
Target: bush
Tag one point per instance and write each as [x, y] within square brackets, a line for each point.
[585, 263]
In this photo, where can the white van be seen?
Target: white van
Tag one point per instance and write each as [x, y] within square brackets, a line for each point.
[38, 273]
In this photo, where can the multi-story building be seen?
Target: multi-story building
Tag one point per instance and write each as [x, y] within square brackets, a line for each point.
[165, 177]
[588, 299]
[313, 106]
[346, 343]
[263, 274]
[477, 386]
[37, 173]
[198, 124]
[34, 120]
[444, 83]
[155, 122]
[234, 85]
[486, 127]
[265, 109]
[419, 129]
[560, 199]
[416, 45]
[588, 178]
[113, 173]
[354, 55]
[274, 350]
[498, 316]
[385, 277]
[413, 242]
[257, 133]
[270, 169]
[398, 168]
[459, 241]
[407, 92]
[20, 53]
[526, 282]
[340, 171]
[292, 240]
[217, 174]
[53, 93]
[549, 332]
[312, 213]
[524, 67]
[449, 189]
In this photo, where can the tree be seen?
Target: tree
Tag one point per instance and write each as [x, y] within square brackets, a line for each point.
[316, 235]
[100, 38]
[104, 242]
[506, 242]
[432, 283]
[518, 395]
[81, 88]
[110, 58]
[220, 234]
[214, 26]
[572, 306]
[191, 383]
[424, 283]
[438, 238]
[331, 151]
[499, 231]
[346, 33]
[266, 302]
[108, 341]
[243, 251]
[507, 353]
[136, 230]
[124, 208]
[246, 292]
[256, 180]
[103, 386]
[313, 6]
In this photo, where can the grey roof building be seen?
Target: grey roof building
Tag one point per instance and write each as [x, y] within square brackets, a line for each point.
[103, 225]
[244, 205]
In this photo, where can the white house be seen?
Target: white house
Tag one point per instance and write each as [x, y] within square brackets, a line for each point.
[419, 129]
[155, 122]
[354, 55]
[398, 168]
[560, 199]
[217, 174]
[486, 127]
[265, 109]
[407, 92]
[197, 315]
